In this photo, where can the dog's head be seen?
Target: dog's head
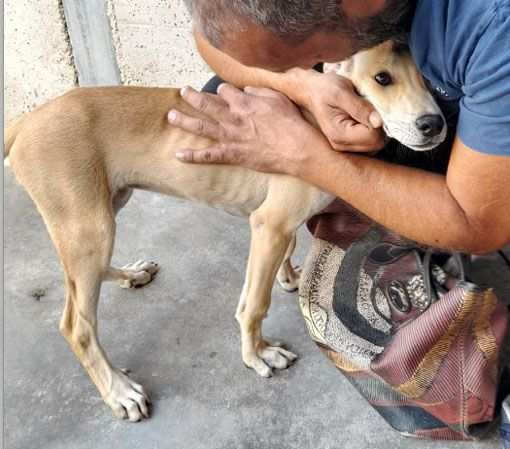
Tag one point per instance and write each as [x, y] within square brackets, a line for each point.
[387, 76]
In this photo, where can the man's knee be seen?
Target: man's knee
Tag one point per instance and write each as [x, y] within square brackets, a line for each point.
[212, 85]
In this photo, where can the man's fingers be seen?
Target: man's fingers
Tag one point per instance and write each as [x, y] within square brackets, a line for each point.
[206, 103]
[351, 136]
[211, 155]
[360, 110]
[233, 96]
[198, 126]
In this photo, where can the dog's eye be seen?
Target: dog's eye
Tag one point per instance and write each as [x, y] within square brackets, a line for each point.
[384, 78]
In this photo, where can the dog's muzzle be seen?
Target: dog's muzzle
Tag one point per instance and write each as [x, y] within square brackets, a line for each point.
[424, 134]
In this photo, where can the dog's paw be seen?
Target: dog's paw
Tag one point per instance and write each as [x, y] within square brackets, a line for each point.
[127, 399]
[289, 279]
[139, 274]
[269, 356]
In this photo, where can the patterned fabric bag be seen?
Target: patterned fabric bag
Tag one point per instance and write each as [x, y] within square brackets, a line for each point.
[420, 344]
[505, 424]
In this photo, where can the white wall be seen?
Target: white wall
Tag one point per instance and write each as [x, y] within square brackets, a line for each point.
[37, 58]
[154, 44]
[152, 39]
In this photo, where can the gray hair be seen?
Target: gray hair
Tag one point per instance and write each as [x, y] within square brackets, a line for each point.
[292, 20]
[296, 20]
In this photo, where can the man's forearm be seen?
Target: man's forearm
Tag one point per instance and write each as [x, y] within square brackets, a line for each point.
[413, 203]
[289, 83]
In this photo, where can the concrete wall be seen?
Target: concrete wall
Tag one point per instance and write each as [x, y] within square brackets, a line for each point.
[152, 39]
[154, 44]
[38, 62]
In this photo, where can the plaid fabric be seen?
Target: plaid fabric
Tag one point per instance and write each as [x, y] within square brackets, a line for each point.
[421, 345]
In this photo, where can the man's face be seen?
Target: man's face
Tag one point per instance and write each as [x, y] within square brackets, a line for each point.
[256, 47]
[372, 23]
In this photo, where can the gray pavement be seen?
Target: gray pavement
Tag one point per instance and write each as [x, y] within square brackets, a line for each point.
[179, 338]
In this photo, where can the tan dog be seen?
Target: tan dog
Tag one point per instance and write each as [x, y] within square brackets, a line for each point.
[80, 155]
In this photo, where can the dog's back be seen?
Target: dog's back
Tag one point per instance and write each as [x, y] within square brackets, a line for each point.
[123, 136]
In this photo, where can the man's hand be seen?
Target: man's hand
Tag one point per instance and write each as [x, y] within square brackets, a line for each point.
[259, 129]
[348, 121]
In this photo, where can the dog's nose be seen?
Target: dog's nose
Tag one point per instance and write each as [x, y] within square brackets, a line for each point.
[430, 125]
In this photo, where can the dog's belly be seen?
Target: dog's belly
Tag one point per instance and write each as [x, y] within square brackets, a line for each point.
[236, 190]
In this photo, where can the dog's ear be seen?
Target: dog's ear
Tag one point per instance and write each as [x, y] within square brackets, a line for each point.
[347, 66]
[343, 68]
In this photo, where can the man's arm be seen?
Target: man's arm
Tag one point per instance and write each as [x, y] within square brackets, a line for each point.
[348, 121]
[289, 83]
[468, 210]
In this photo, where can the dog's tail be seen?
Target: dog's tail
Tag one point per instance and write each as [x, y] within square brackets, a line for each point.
[10, 134]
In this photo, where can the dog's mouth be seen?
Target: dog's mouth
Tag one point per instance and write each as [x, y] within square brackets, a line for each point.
[424, 147]
[409, 136]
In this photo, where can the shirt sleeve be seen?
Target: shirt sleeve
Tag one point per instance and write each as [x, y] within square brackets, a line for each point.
[484, 120]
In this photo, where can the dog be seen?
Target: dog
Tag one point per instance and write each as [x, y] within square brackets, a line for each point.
[81, 155]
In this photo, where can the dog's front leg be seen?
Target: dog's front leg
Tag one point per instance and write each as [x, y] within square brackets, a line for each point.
[269, 243]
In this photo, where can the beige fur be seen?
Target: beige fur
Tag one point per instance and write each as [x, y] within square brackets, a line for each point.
[79, 157]
[399, 104]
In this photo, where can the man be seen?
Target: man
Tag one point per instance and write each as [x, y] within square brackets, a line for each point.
[462, 49]
[460, 202]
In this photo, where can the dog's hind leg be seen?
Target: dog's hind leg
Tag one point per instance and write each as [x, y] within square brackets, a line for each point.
[288, 275]
[269, 243]
[135, 274]
[85, 250]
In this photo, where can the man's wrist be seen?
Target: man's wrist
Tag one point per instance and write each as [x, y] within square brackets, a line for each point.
[293, 83]
[317, 157]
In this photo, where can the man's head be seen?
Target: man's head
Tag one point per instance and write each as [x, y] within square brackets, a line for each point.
[281, 34]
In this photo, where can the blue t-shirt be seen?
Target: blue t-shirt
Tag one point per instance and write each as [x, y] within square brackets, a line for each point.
[462, 47]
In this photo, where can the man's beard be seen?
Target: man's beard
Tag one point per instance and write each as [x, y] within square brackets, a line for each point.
[393, 22]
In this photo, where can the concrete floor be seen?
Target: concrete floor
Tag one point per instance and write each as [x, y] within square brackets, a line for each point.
[180, 340]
